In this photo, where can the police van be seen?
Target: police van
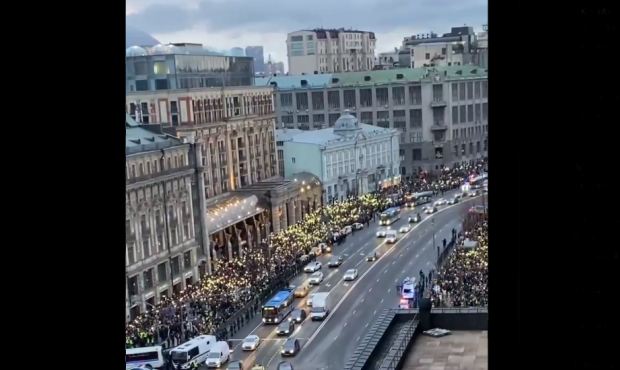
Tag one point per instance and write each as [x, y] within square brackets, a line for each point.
[194, 351]
[145, 357]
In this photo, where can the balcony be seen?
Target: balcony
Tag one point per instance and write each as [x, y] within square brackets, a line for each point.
[439, 126]
[438, 102]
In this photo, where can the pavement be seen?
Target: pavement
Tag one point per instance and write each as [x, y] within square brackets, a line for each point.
[353, 305]
[459, 350]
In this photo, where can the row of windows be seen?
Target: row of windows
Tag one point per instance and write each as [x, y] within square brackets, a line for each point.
[148, 276]
[469, 132]
[179, 233]
[470, 90]
[148, 167]
[470, 113]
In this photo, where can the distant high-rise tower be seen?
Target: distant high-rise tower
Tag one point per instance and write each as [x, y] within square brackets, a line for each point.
[259, 57]
[237, 52]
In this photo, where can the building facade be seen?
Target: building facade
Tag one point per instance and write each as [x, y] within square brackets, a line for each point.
[330, 50]
[442, 113]
[350, 158]
[163, 247]
[183, 66]
[258, 54]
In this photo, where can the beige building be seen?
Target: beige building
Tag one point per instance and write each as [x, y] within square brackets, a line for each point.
[330, 50]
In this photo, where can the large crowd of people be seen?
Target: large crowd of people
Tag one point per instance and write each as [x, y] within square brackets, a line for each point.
[206, 306]
[463, 279]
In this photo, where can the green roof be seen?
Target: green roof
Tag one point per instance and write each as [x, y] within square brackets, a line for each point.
[139, 139]
[408, 75]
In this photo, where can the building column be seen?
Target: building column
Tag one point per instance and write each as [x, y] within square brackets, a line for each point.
[229, 245]
[204, 232]
[290, 213]
[275, 216]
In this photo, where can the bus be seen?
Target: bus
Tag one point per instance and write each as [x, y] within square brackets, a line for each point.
[280, 305]
[389, 216]
[146, 357]
[422, 198]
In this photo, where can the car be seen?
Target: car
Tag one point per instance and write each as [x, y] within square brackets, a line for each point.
[316, 278]
[291, 347]
[440, 202]
[372, 257]
[309, 300]
[286, 327]
[316, 251]
[346, 230]
[235, 365]
[350, 275]
[313, 266]
[358, 226]
[335, 261]
[404, 229]
[301, 291]
[415, 218]
[391, 237]
[250, 343]
[381, 233]
[298, 315]
[474, 193]
[454, 200]
[325, 248]
[430, 210]
[285, 365]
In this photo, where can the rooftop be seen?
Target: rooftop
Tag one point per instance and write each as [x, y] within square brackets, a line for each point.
[139, 139]
[229, 208]
[462, 349]
[327, 136]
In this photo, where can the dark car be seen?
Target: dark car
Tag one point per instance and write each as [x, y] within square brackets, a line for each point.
[235, 365]
[285, 365]
[298, 315]
[290, 347]
[287, 327]
[415, 218]
[372, 257]
[335, 261]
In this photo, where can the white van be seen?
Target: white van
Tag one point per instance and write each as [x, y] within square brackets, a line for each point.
[219, 354]
[194, 351]
[319, 306]
[146, 357]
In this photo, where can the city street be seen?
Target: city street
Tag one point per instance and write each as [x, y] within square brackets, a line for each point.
[353, 305]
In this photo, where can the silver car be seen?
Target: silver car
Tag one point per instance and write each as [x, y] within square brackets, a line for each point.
[250, 343]
[316, 278]
[350, 275]
[313, 266]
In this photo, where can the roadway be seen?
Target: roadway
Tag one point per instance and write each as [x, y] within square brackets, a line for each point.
[353, 305]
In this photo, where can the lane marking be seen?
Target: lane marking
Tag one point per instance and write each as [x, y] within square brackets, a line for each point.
[358, 338]
[354, 311]
[369, 290]
[374, 312]
[389, 289]
[381, 300]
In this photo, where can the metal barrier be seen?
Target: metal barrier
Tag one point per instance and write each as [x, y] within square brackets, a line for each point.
[400, 346]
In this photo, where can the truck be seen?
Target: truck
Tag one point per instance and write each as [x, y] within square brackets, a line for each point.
[320, 309]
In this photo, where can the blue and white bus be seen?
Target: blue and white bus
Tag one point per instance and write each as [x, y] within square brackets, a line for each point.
[280, 305]
[389, 216]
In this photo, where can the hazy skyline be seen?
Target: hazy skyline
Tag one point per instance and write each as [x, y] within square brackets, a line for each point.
[223, 24]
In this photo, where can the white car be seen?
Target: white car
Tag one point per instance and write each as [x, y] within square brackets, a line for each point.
[316, 278]
[309, 300]
[430, 210]
[381, 233]
[313, 266]
[250, 343]
[358, 226]
[350, 275]
[346, 230]
[404, 229]
[441, 202]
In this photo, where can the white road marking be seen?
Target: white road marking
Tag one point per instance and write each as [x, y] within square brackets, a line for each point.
[389, 289]
[374, 312]
[377, 280]
[354, 311]
[346, 323]
[393, 262]
[362, 301]
[358, 338]
[381, 300]
[366, 325]
[417, 255]
[369, 290]
[386, 270]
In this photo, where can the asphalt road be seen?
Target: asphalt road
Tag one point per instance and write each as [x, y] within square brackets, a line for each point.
[353, 305]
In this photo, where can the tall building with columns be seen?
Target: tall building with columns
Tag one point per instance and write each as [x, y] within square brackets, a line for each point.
[163, 249]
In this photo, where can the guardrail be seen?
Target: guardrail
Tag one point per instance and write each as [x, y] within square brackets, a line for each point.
[395, 354]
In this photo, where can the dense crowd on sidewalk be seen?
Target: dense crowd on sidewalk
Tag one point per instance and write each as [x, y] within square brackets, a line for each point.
[242, 281]
[463, 279]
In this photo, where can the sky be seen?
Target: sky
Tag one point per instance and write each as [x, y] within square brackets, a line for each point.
[223, 24]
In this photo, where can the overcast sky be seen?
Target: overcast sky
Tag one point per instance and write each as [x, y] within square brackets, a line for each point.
[223, 24]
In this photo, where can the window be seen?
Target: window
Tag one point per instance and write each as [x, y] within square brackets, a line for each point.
[455, 151]
[140, 67]
[318, 119]
[416, 137]
[161, 84]
[366, 97]
[485, 111]
[470, 90]
[477, 147]
[415, 95]
[455, 115]
[333, 99]
[142, 85]
[302, 101]
[174, 113]
[131, 253]
[463, 149]
[415, 118]
[162, 274]
[383, 119]
[160, 68]
[477, 90]
[317, 101]
[332, 118]
[297, 38]
[175, 266]
[286, 100]
[400, 120]
[462, 114]
[293, 159]
[478, 113]
[470, 113]
[471, 148]
[485, 145]
[309, 38]
[382, 96]
[147, 277]
[287, 121]
[303, 119]
[132, 285]
[349, 99]
[366, 117]
[428, 56]
[462, 91]
[398, 95]
[455, 92]
[485, 89]
[187, 260]
[417, 154]
[437, 92]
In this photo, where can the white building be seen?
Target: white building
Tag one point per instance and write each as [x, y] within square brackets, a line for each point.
[350, 158]
[330, 50]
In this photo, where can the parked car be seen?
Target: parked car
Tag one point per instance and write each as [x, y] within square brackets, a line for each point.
[286, 327]
[358, 226]
[313, 266]
[250, 343]
[350, 275]
[316, 278]
[335, 261]
[291, 347]
[298, 315]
